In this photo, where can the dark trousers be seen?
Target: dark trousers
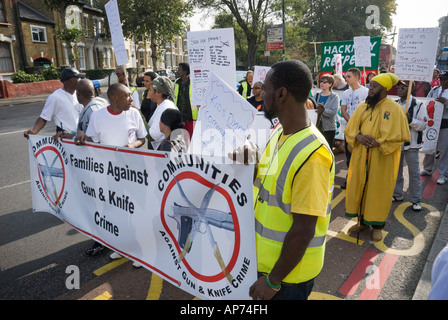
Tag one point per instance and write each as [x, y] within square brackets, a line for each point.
[294, 291]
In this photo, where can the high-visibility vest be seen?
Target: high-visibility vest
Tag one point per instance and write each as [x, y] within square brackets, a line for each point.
[244, 92]
[272, 195]
[194, 108]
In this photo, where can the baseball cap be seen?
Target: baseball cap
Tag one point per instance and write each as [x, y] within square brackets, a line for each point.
[71, 72]
[443, 74]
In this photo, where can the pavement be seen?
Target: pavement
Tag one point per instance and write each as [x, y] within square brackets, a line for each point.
[440, 241]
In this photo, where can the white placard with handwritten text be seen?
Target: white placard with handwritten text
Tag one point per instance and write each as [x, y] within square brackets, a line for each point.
[211, 50]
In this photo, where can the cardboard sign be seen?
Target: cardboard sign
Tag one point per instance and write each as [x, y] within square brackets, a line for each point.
[416, 53]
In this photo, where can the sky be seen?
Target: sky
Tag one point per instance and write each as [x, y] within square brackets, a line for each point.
[410, 14]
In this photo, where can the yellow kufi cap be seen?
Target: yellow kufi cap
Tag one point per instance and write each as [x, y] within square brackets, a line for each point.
[387, 80]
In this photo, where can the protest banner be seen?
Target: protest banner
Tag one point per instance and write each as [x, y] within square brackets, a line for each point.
[116, 32]
[224, 121]
[347, 50]
[210, 51]
[182, 216]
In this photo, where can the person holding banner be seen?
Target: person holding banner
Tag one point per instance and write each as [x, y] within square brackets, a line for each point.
[441, 95]
[172, 126]
[292, 189]
[61, 106]
[118, 124]
[161, 92]
[416, 118]
[376, 130]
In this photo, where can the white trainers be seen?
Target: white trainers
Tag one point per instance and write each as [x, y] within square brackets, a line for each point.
[417, 206]
[136, 264]
[442, 180]
[115, 255]
[425, 173]
[397, 198]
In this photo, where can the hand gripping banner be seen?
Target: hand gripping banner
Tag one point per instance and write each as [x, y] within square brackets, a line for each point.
[187, 218]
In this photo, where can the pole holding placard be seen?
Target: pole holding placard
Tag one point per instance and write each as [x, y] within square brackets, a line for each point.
[411, 83]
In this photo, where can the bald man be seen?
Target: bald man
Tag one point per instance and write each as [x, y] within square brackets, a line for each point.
[376, 131]
[85, 93]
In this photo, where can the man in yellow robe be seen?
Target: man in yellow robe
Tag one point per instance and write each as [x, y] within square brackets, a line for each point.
[376, 131]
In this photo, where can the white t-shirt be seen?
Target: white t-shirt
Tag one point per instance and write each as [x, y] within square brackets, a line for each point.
[63, 108]
[113, 129]
[136, 97]
[352, 98]
[154, 122]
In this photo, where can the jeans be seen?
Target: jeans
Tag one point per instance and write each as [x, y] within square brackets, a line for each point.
[415, 188]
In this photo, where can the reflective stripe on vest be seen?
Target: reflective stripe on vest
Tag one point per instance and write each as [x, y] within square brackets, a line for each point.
[273, 203]
[194, 108]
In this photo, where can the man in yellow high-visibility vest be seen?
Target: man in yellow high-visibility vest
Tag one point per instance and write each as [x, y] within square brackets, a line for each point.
[292, 190]
[182, 97]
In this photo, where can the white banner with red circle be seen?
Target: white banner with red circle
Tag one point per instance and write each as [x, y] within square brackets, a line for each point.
[187, 218]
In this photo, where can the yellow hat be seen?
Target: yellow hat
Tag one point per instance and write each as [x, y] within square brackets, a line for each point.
[387, 80]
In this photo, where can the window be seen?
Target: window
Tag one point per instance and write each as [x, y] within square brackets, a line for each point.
[6, 57]
[39, 34]
[2, 11]
[142, 58]
[82, 58]
[86, 26]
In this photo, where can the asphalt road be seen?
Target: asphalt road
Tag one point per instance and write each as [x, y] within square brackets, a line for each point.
[37, 250]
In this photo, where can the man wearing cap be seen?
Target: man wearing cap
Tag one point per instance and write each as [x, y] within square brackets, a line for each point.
[61, 106]
[162, 93]
[441, 95]
[376, 131]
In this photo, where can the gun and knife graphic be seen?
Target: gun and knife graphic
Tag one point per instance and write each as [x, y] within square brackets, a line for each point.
[190, 219]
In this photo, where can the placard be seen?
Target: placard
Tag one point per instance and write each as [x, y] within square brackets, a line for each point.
[210, 51]
[260, 73]
[362, 51]
[416, 53]
[116, 32]
[224, 120]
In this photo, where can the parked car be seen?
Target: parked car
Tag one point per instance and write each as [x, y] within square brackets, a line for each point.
[167, 73]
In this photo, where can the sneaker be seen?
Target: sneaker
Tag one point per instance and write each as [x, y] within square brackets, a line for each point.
[416, 206]
[136, 264]
[355, 228]
[115, 255]
[397, 198]
[95, 250]
[344, 185]
[442, 180]
[377, 234]
[425, 173]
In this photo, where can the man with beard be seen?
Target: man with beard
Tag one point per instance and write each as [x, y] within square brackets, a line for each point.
[376, 131]
[292, 189]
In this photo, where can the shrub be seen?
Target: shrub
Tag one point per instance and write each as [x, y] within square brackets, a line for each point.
[51, 73]
[23, 77]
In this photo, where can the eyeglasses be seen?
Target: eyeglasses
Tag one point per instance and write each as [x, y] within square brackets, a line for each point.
[324, 81]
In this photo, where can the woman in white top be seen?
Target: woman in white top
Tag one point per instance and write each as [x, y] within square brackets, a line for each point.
[161, 93]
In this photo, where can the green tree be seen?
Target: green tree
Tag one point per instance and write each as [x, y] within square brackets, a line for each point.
[250, 15]
[339, 20]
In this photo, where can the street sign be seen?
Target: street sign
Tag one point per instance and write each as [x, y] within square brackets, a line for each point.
[275, 37]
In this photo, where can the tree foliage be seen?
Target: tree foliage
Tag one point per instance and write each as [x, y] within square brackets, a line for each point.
[157, 20]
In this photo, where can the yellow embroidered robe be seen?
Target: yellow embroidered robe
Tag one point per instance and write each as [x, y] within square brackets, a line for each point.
[387, 124]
